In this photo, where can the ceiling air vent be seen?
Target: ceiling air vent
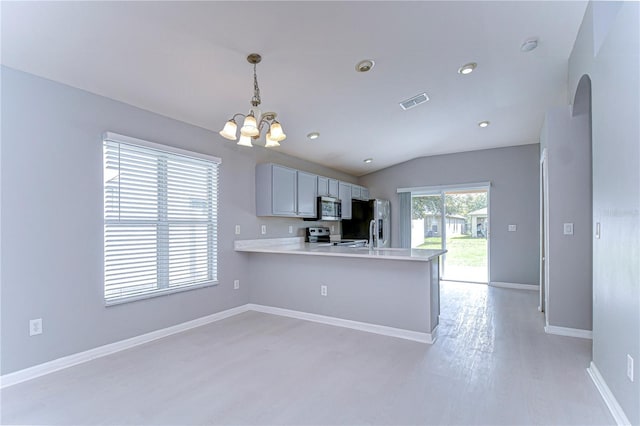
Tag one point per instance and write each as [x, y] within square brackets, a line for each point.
[415, 101]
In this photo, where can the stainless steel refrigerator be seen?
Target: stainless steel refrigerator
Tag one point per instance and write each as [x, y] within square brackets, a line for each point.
[372, 215]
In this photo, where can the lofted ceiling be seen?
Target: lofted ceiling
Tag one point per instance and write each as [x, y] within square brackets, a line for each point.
[187, 60]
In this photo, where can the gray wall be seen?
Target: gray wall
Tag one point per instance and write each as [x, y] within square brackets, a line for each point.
[514, 175]
[568, 143]
[614, 70]
[52, 220]
[365, 290]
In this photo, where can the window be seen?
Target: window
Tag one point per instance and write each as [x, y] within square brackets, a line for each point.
[160, 219]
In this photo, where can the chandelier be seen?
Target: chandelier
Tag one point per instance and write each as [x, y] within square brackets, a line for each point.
[255, 121]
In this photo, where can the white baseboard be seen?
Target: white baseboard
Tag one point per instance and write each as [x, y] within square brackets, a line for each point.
[356, 325]
[517, 286]
[570, 332]
[80, 357]
[616, 410]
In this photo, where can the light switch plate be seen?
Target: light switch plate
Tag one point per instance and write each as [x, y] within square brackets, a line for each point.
[263, 229]
[290, 229]
[568, 229]
[237, 229]
[513, 228]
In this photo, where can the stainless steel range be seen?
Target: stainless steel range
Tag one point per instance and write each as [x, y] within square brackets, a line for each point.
[322, 235]
[318, 234]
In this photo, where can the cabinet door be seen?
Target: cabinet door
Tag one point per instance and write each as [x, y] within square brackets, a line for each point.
[344, 193]
[284, 191]
[364, 194]
[323, 186]
[307, 194]
[333, 188]
[355, 192]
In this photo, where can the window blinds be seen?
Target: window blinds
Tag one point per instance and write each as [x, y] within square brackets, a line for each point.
[160, 219]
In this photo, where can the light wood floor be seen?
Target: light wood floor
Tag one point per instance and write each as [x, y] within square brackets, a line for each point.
[492, 365]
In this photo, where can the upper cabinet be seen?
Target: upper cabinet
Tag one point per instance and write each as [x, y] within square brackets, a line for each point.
[356, 191]
[307, 194]
[344, 193]
[282, 191]
[276, 190]
[323, 186]
[359, 192]
[333, 188]
[327, 187]
[364, 193]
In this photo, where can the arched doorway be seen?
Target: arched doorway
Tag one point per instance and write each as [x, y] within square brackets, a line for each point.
[582, 111]
[566, 260]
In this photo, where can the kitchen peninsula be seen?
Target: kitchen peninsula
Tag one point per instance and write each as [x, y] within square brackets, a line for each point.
[388, 291]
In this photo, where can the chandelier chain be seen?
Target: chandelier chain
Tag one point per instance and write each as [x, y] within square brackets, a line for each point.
[255, 101]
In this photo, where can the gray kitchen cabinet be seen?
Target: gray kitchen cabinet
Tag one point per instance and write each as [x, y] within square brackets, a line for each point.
[307, 194]
[282, 191]
[327, 187]
[323, 186]
[355, 192]
[276, 190]
[333, 188]
[344, 193]
[359, 192]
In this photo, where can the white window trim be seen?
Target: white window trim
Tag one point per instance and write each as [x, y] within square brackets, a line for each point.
[115, 137]
[436, 189]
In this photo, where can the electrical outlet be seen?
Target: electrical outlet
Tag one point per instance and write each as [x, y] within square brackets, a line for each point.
[323, 290]
[35, 327]
[290, 229]
[333, 229]
[568, 229]
[630, 367]
[263, 229]
[237, 229]
[513, 228]
[236, 284]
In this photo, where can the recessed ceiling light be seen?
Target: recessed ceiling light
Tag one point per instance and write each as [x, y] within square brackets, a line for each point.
[313, 135]
[365, 65]
[484, 123]
[529, 45]
[368, 160]
[467, 68]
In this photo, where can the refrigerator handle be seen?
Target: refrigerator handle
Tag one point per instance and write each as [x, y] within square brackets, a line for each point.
[372, 234]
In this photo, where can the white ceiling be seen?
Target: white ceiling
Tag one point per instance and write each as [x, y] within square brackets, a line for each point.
[187, 60]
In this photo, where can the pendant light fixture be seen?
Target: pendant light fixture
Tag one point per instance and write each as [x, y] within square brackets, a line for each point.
[255, 121]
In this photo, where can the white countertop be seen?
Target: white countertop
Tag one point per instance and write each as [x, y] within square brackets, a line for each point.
[297, 246]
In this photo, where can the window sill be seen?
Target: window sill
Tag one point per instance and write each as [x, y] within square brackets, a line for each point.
[158, 293]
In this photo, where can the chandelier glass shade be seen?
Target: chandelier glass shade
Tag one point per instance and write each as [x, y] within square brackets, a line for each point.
[255, 121]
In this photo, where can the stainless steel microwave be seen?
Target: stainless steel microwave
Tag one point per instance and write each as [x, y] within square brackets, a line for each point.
[329, 208]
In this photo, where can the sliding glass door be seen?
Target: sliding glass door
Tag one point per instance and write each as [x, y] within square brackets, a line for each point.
[426, 223]
[467, 225]
[457, 220]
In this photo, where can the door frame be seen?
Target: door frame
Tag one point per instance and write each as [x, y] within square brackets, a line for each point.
[544, 235]
[441, 190]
